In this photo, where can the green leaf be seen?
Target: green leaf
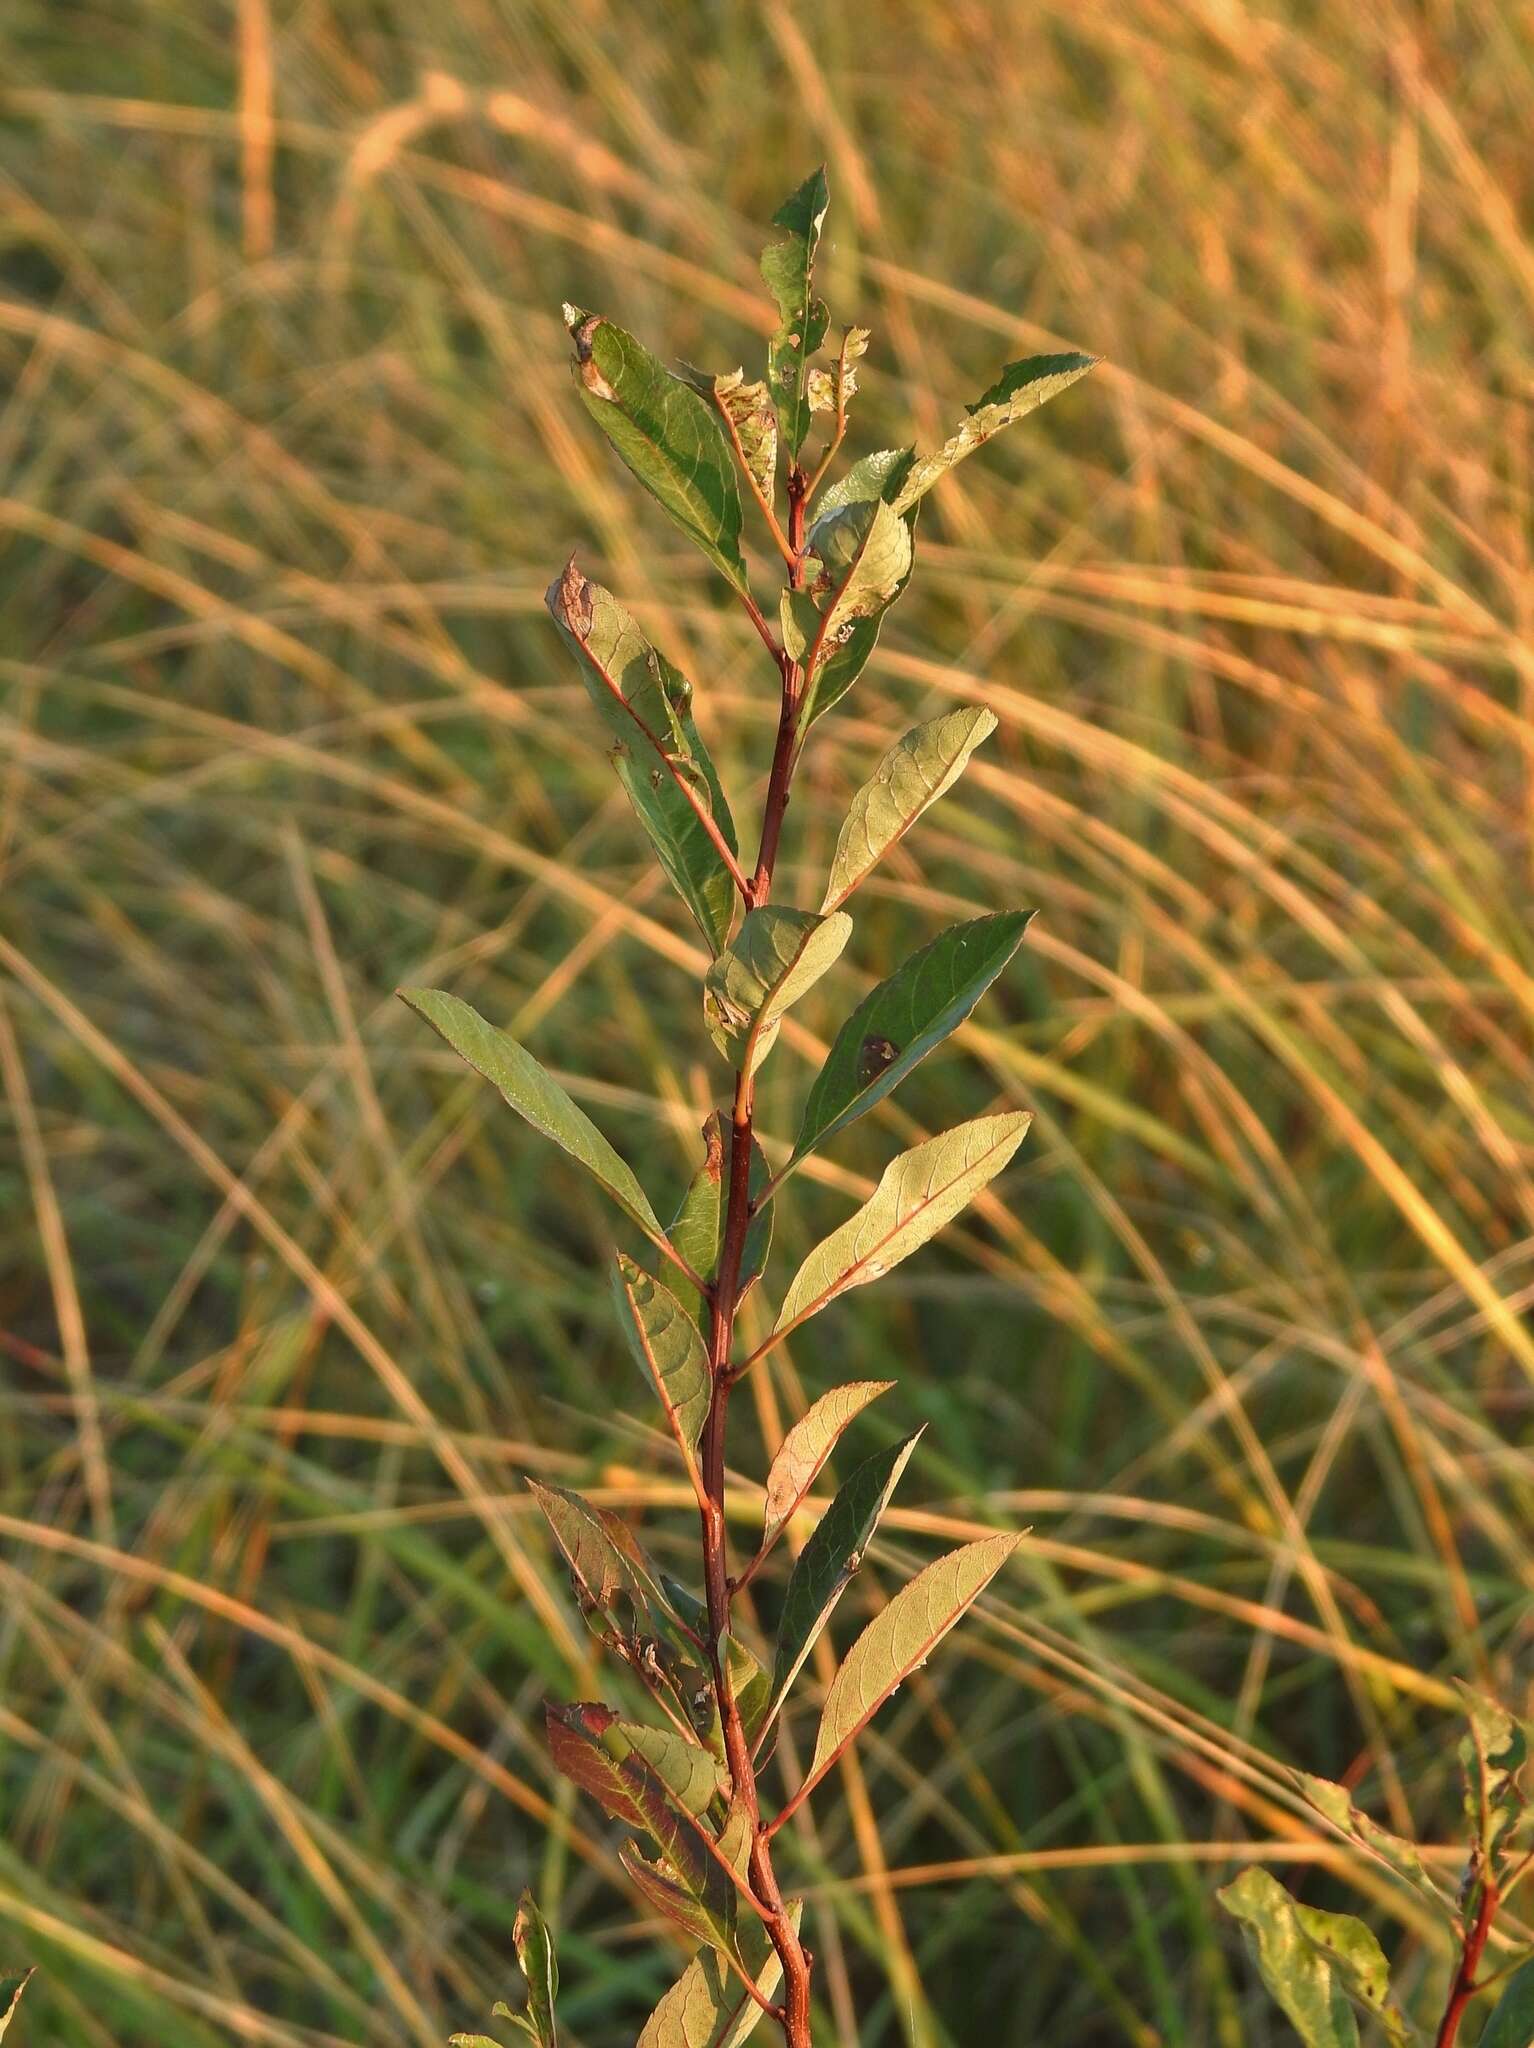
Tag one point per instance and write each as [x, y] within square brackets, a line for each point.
[684, 1908]
[535, 1095]
[777, 954]
[863, 483]
[535, 1954]
[690, 1775]
[898, 1023]
[631, 1792]
[788, 266]
[708, 2007]
[698, 1231]
[669, 1350]
[665, 433]
[1512, 2019]
[872, 578]
[658, 753]
[915, 772]
[1312, 1962]
[854, 542]
[807, 1446]
[602, 1570]
[749, 418]
[824, 1568]
[11, 1988]
[1491, 1755]
[900, 1639]
[918, 1193]
[1394, 1851]
[475, 2040]
[1020, 389]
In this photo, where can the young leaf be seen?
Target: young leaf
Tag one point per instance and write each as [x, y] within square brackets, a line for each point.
[749, 419]
[918, 1193]
[535, 1095]
[535, 1954]
[827, 1562]
[657, 751]
[777, 954]
[898, 1023]
[900, 1639]
[1020, 389]
[807, 1446]
[698, 1231]
[665, 433]
[708, 2006]
[1492, 1755]
[1312, 1962]
[668, 1348]
[1512, 2018]
[915, 772]
[11, 1989]
[788, 266]
[844, 531]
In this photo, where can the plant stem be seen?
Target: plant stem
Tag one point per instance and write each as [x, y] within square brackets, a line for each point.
[1464, 1986]
[794, 2012]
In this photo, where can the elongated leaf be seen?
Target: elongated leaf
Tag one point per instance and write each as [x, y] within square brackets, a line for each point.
[474, 2040]
[630, 1792]
[749, 418]
[708, 2006]
[665, 433]
[670, 779]
[898, 1023]
[777, 954]
[1312, 1962]
[874, 576]
[535, 1953]
[840, 510]
[901, 1638]
[788, 265]
[11, 1989]
[689, 1774]
[1491, 1756]
[698, 1231]
[658, 1883]
[1512, 2017]
[807, 1446]
[1020, 389]
[669, 1349]
[918, 1193]
[844, 528]
[827, 1562]
[533, 1094]
[913, 774]
[1395, 1851]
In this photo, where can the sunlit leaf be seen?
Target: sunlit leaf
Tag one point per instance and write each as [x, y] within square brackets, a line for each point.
[775, 957]
[535, 1953]
[658, 753]
[1314, 1963]
[1020, 389]
[690, 1775]
[827, 1562]
[665, 432]
[658, 1883]
[915, 772]
[898, 1023]
[807, 1446]
[11, 1988]
[918, 1193]
[1492, 1754]
[859, 549]
[1512, 2017]
[750, 419]
[708, 2006]
[1395, 1851]
[603, 1572]
[668, 1347]
[901, 1637]
[698, 1231]
[788, 266]
[533, 1094]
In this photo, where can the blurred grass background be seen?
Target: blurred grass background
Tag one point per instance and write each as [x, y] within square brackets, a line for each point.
[289, 1308]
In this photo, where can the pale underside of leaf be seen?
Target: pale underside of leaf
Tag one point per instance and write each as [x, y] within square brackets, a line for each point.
[535, 1095]
[750, 418]
[824, 1568]
[665, 433]
[806, 1447]
[900, 1639]
[903, 1019]
[668, 1348]
[775, 957]
[708, 2007]
[915, 772]
[918, 1193]
[1021, 388]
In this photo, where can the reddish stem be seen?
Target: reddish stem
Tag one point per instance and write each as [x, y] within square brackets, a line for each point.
[1463, 1988]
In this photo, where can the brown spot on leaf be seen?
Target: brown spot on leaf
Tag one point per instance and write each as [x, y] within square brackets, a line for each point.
[874, 1056]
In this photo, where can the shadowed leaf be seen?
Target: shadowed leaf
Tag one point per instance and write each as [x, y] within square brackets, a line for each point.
[788, 266]
[533, 1094]
[603, 1572]
[670, 779]
[669, 1350]
[898, 1023]
[708, 2007]
[1020, 389]
[913, 774]
[750, 418]
[1491, 1754]
[687, 1771]
[918, 1193]
[1512, 2017]
[776, 956]
[11, 1988]
[827, 1562]
[698, 1230]
[665, 433]
[535, 1953]
[807, 1446]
